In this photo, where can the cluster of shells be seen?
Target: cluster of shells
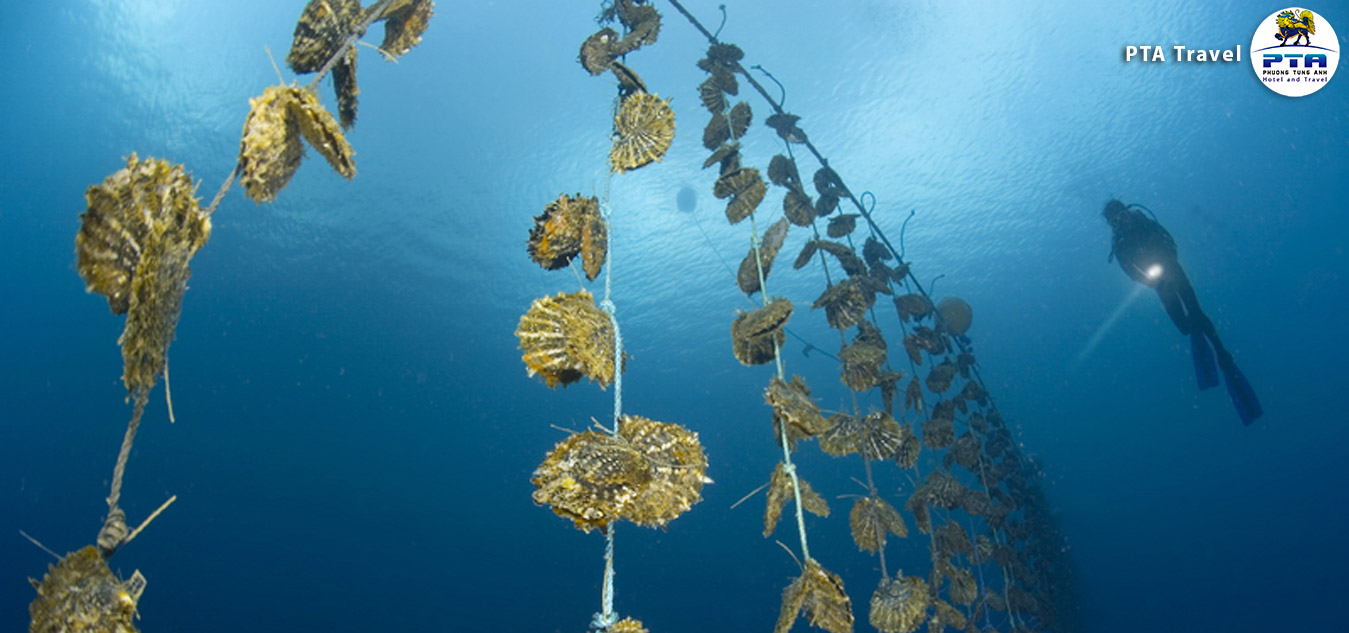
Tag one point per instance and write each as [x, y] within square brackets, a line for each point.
[644, 125]
[271, 150]
[642, 471]
[142, 226]
[979, 471]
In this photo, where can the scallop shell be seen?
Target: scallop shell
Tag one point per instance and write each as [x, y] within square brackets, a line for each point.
[566, 337]
[141, 228]
[644, 128]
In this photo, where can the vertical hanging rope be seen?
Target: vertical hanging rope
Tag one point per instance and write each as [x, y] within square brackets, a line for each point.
[607, 617]
[114, 531]
[787, 465]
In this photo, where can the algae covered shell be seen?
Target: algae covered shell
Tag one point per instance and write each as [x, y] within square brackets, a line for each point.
[599, 50]
[141, 227]
[756, 335]
[80, 594]
[644, 127]
[899, 605]
[818, 595]
[570, 226]
[747, 277]
[793, 408]
[745, 188]
[650, 473]
[780, 490]
[404, 23]
[270, 150]
[870, 519]
[321, 30]
[566, 337]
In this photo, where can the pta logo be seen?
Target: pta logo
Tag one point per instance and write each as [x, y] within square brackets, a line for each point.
[1295, 52]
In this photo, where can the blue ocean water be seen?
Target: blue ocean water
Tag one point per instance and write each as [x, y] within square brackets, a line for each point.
[355, 431]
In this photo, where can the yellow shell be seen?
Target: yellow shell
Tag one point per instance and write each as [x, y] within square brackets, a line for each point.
[649, 474]
[566, 337]
[570, 226]
[591, 478]
[899, 605]
[141, 228]
[270, 150]
[870, 519]
[644, 128]
[818, 595]
[81, 595]
[780, 490]
[323, 26]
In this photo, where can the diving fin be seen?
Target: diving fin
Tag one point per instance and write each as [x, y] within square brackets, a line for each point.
[1205, 366]
[1243, 397]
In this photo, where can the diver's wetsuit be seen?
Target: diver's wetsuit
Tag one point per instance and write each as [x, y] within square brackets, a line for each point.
[1148, 254]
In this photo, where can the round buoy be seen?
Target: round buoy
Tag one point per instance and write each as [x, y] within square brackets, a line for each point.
[956, 314]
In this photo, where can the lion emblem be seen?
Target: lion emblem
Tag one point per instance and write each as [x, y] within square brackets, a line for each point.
[1294, 27]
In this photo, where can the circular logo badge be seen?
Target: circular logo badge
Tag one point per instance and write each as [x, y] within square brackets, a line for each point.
[1295, 52]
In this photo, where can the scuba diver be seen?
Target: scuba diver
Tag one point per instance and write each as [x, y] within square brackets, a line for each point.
[1147, 253]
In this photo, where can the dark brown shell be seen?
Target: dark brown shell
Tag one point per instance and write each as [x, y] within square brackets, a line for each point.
[851, 263]
[939, 379]
[793, 408]
[861, 365]
[344, 85]
[785, 125]
[782, 172]
[748, 276]
[842, 225]
[718, 131]
[567, 227]
[807, 252]
[629, 82]
[798, 208]
[322, 29]
[721, 153]
[739, 119]
[756, 336]
[845, 303]
[599, 50]
[747, 190]
[404, 26]
[874, 252]
[711, 96]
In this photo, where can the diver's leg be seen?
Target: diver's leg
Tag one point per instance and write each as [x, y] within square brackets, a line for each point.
[1238, 388]
[1174, 305]
[1196, 325]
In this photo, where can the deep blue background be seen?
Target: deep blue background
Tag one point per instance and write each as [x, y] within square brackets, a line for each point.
[356, 432]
